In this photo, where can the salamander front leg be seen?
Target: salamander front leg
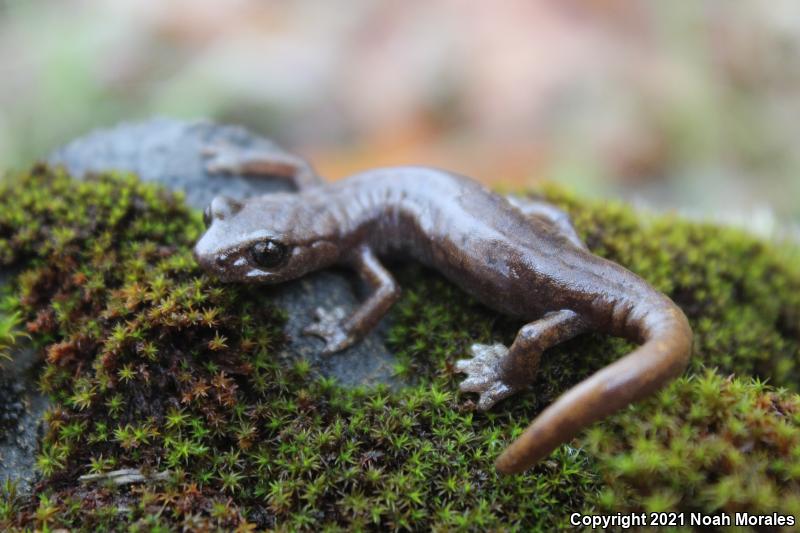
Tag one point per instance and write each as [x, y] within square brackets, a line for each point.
[339, 331]
[267, 161]
[496, 372]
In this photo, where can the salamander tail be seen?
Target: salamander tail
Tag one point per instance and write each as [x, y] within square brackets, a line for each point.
[662, 357]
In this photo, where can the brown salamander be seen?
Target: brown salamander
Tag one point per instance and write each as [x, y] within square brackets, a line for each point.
[518, 256]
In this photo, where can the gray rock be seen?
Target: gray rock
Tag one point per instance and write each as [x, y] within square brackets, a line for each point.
[169, 152]
[21, 410]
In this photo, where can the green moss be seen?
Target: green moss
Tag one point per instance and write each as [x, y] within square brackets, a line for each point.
[9, 330]
[153, 365]
[705, 444]
[741, 294]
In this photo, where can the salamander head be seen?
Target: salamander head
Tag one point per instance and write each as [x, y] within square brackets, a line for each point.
[267, 239]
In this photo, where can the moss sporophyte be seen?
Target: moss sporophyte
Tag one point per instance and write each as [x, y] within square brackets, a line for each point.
[158, 371]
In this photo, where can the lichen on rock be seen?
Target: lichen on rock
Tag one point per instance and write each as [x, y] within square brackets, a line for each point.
[155, 367]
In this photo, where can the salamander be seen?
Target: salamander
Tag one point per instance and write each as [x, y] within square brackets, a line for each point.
[519, 256]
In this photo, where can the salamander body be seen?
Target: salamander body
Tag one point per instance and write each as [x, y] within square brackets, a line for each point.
[518, 256]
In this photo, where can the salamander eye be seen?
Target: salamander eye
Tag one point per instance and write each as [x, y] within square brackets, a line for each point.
[207, 219]
[269, 253]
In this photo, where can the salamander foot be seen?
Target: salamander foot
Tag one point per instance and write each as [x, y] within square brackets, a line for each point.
[264, 161]
[222, 158]
[328, 327]
[484, 374]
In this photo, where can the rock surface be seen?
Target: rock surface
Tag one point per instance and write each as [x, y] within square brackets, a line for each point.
[170, 152]
[21, 410]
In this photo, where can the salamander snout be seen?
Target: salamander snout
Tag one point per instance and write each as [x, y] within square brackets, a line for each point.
[205, 257]
[211, 259]
[208, 251]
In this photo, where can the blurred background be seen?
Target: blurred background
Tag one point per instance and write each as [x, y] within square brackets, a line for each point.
[675, 105]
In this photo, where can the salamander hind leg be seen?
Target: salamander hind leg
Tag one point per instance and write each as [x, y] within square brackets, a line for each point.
[485, 374]
[560, 220]
[496, 372]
